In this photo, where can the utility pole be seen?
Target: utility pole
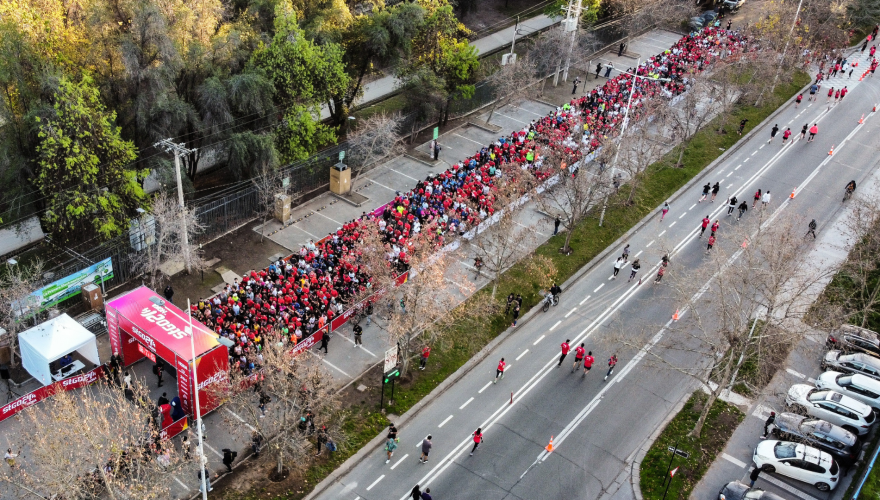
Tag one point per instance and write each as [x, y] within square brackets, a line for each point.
[570, 25]
[515, 29]
[179, 150]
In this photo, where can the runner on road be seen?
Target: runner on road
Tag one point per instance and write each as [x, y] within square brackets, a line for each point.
[500, 370]
[664, 210]
[715, 227]
[765, 200]
[773, 132]
[731, 205]
[797, 102]
[830, 95]
[612, 362]
[705, 224]
[786, 135]
[742, 209]
[588, 363]
[715, 189]
[635, 269]
[660, 274]
[813, 89]
[706, 189]
[757, 198]
[711, 243]
[813, 131]
[478, 438]
[804, 131]
[565, 348]
[617, 265]
[578, 357]
[812, 229]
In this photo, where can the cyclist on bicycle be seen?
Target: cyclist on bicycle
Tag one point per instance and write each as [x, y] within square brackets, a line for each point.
[555, 290]
[850, 187]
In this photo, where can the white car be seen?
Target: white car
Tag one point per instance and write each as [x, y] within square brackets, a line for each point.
[798, 461]
[858, 387]
[831, 406]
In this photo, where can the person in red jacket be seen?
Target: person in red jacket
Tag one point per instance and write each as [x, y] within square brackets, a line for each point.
[565, 349]
[578, 357]
[499, 372]
[705, 224]
[588, 363]
[424, 358]
[478, 438]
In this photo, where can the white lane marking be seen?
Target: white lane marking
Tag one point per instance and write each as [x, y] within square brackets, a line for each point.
[734, 461]
[239, 418]
[637, 254]
[468, 139]
[661, 234]
[599, 288]
[212, 449]
[539, 339]
[692, 206]
[789, 122]
[737, 167]
[682, 215]
[511, 118]
[673, 223]
[403, 174]
[521, 355]
[180, 483]
[383, 185]
[796, 374]
[728, 175]
[555, 325]
[588, 297]
[398, 462]
[649, 244]
[465, 404]
[747, 159]
[730, 186]
[762, 147]
[328, 218]
[569, 312]
[361, 346]
[370, 487]
[337, 368]
[446, 420]
[484, 387]
[791, 489]
[531, 229]
[753, 154]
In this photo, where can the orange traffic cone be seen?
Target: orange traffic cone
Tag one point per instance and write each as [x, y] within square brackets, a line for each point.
[861, 77]
[675, 316]
[831, 151]
[874, 109]
[862, 119]
[792, 193]
[549, 447]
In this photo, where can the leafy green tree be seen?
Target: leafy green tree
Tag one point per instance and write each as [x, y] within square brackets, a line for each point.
[304, 75]
[83, 167]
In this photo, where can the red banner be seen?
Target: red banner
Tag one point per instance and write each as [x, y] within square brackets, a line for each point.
[174, 428]
[42, 393]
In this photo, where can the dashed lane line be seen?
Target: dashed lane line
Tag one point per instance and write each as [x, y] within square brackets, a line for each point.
[370, 487]
[328, 218]
[662, 233]
[737, 167]
[521, 355]
[538, 340]
[555, 325]
[485, 387]
[569, 312]
[447, 419]
[401, 173]
[673, 223]
[588, 296]
[465, 403]
[468, 139]
[649, 244]
[336, 368]
[249, 426]
[180, 483]
[599, 288]
[638, 253]
[397, 463]
[682, 215]
[734, 461]
[212, 449]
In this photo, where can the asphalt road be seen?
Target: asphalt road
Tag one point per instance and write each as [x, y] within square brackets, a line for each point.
[599, 425]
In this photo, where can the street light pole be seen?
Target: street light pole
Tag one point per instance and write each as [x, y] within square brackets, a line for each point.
[797, 14]
[202, 460]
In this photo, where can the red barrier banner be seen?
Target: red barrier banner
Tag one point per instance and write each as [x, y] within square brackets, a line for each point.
[32, 398]
[174, 428]
[307, 342]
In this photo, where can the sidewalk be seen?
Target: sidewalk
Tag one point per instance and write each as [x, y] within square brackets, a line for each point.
[382, 87]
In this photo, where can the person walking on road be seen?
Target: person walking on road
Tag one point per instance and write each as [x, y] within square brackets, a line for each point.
[416, 493]
[711, 244]
[754, 477]
[499, 371]
[565, 348]
[358, 331]
[715, 189]
[813, 131]
[478, 438]
[577, 81]
[786, 135]
[664, 211]
[758, 195]
[742, 209]
[773, 133]
[325, 339]
[804, 131]
[830, 95]
[813, 89]
[765, 200]
[706, 189]
[578, 357]
[390, 446]
[731, 205]
[797, 102]
[660, 273]
[426, 449]
[704, 224]
[811, 229]
[612, 362]
[617, 265]
[588, 363]
[426, 495]
[608, 69]
[634, 270]
[626, 253]
[715, 226]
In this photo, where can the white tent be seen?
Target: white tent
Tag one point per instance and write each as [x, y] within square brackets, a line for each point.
[50, 341]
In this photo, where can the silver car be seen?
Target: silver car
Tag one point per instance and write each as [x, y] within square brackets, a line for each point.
[736, 490]
[831, 406]
[851, 338]
[837, 441]
[859, 363]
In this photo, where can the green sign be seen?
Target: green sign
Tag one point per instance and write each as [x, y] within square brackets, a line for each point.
[436, 133]
[395, 374]
[65, 288]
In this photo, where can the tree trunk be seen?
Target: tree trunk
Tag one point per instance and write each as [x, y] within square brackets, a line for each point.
[680, 154]
[494, 286]
[565, 247]
[698, 427]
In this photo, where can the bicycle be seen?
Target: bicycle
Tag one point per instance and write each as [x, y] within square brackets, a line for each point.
[847, 194]
[549, 299]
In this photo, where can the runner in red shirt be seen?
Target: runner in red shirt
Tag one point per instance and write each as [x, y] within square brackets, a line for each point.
[478, 438]
[499, 372]
[588, 363]
[612, 362]
[797, 102]
[565, 349]
[706, 221]
[786, 135]
[578, 357]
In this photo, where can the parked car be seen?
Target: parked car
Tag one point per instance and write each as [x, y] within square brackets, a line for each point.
[736, 490]
[831, 406]
[840, 443]
[851, 338]
[733, 5]
[797, 461]
[703, 20]
[858, 387]
[859, 362]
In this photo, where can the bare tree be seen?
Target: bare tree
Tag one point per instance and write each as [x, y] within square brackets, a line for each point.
[94, 443]
[298, 400]
[637, 149]
[17, 282]
[763, 283]
[270, 183]
[374, 140]
[163, 248]
[512, 82]
[691, 111]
